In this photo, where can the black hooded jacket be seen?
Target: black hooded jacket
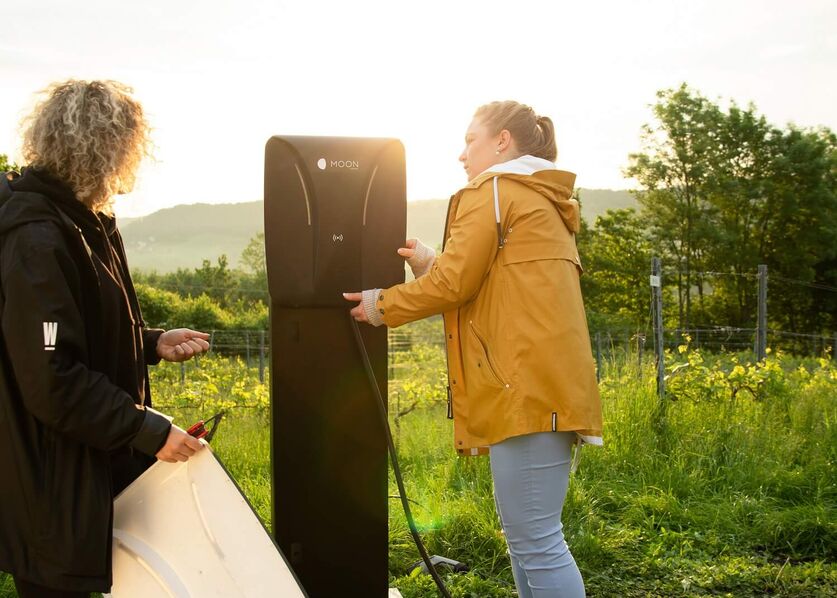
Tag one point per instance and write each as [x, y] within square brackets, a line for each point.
[73, 385]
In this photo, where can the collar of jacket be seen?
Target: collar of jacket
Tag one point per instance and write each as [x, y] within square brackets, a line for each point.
[541, 176]
[537, 170]
[526, 164]
[96, 229]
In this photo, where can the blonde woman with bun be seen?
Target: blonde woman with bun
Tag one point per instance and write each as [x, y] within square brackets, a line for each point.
[521, 378]
[75, 420]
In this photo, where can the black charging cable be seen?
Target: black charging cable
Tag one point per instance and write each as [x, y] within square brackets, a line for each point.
[382, 409]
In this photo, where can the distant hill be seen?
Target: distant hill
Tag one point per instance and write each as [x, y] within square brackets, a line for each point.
[183, 236]
[595, 202]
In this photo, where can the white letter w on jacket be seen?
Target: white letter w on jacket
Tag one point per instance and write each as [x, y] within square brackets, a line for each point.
[50, 335]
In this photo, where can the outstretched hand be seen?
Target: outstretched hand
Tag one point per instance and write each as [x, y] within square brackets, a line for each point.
[181, 344]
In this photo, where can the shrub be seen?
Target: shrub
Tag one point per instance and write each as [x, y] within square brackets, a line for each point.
[201, 313]
[158, 307]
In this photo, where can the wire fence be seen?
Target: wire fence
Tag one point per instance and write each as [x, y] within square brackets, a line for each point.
[608, 346]
[724, 339]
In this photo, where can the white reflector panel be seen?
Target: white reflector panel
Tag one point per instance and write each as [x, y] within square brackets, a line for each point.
[185, 530]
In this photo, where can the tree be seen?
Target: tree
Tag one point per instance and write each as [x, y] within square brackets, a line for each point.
[677, 171]
[776, 205]
[253, 258]
[800, 238]
[6, 166]
[727, 191]
[616, 254]
[158, 306]
[217, 276]
[742, 205]
[201, 313]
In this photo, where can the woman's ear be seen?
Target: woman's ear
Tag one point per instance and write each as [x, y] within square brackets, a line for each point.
[504, 140]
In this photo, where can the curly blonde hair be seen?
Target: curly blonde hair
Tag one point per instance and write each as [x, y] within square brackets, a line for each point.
[90, 134]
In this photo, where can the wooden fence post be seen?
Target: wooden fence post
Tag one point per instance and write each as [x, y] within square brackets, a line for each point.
[659, 339]
[247, 344]
[261, 356]
[640, 349]
[761, 328]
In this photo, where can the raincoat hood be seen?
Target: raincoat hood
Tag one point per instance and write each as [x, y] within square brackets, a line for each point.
[543, 177]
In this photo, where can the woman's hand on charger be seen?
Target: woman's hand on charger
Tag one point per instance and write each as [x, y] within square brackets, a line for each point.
[419, 256]
[409, 249]
[358, 313]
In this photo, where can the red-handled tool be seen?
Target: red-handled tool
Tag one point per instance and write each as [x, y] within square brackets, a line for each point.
[199, 429]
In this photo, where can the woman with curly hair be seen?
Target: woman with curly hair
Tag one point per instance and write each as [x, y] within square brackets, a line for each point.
[75, 420]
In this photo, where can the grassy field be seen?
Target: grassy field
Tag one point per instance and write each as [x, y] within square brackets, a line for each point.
[727, 489]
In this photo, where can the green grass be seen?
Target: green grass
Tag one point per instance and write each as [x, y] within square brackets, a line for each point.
[729, 496]
[725, 492]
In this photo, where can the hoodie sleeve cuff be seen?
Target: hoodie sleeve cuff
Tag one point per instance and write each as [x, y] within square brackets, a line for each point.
[152, 434]
[422, 259]
[373, 313]
[150, 336]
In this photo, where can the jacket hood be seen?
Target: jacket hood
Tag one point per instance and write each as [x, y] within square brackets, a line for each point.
[545, 178]
[34, 206]
[38, 195]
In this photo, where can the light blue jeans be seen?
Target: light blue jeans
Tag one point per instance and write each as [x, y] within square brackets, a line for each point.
[531, 475]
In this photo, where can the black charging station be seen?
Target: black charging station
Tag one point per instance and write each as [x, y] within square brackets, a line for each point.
[335, 214]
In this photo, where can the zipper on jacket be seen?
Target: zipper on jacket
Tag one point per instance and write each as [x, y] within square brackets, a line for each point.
[488, 362]
[450, 404]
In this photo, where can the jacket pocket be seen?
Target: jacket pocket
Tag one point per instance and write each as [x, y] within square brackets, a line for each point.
[485, 361]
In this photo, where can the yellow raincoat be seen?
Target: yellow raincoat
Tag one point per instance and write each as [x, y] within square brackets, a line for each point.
[518, 348]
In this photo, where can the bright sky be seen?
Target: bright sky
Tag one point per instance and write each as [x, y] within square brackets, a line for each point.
[218, 78]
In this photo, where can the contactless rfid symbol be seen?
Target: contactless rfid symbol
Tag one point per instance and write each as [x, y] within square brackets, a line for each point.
[50, 335]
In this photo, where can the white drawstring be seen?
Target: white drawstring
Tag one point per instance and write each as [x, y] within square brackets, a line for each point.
[500, 240]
